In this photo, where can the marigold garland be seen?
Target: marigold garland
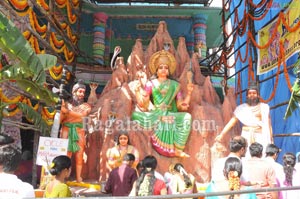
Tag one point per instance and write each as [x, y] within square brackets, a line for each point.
[240, 29]
[19, 5]
[40, 29]
[56, 42]
[63, 25]
[72, 17]
[22, 8]
[61, 3]
[276, 82]
[35, 25]
[43, 4]
[55, 76]
[27, 34]
[234, 180]
[56, 72]
[69, 55]
[57, 69]
[71, 36]
[250, 70]
[11, 110]
[31, 41]
[269, 5]
[23, 13]
[58, 50]
[13, 100]
[47, 113]
[31, 20]
[37, 46]
[285, 71]
[289, 28]
[28, 102]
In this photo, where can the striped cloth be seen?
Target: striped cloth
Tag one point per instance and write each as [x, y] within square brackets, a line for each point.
[199, 28]
[99, 37]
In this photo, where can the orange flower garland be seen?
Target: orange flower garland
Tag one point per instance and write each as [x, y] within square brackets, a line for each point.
[286, 75]
[72, 17]
[239, 30]
[27, 34]
[35, 24]
[56, 49]
[43, 4]
[48, 116]
[37, 46]
[56, 72]
[56, 42]
[13, 100]
[69, 55]
[19, 5]
[61, 3]
[63, 25]
[71, 36]
[11, 110]
[234, 180]
[269, 5]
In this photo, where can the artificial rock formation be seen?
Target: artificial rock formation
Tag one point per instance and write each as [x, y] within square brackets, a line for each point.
[115, 106]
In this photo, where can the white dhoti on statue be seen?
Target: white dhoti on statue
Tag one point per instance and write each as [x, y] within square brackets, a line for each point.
[254, 129]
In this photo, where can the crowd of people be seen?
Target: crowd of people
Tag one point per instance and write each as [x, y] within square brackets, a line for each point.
[232, 173]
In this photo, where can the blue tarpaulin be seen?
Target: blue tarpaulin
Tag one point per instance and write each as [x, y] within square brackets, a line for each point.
[278, 104]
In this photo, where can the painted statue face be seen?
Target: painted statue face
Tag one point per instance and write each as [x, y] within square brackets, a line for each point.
[163, 70]
[252, 97]
[80, 93]
[123, 139]
[78, 96]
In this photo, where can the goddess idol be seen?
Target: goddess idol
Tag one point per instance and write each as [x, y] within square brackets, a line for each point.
[171, 128]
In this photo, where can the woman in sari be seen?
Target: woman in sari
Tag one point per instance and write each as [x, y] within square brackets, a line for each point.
[115, 155]
[171, 128]
[61, 169]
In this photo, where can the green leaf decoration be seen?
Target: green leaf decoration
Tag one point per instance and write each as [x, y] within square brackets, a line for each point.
[13, 43]
[36, 118]
[38, 92]
[294, 100]
[28, 71]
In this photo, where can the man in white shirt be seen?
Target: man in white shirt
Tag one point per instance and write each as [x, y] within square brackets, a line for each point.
[238, 148]
[10, 185]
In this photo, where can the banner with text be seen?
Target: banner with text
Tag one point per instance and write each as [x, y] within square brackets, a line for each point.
[49, 148]
[268, 57]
